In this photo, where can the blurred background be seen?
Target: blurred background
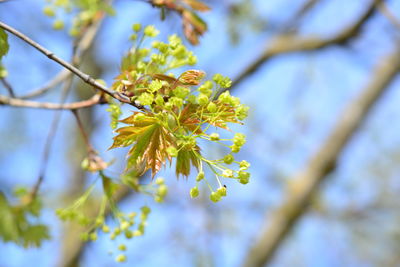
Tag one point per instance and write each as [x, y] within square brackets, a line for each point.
[320, 77]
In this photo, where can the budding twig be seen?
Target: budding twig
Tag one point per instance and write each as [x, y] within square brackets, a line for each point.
[83, 76]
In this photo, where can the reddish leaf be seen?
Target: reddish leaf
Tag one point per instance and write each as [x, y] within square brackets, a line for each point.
[197, 5]
[184, 160]
[150, 142]
[191, 77]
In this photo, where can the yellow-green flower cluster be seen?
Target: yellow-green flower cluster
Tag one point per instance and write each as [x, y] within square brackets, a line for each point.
[84, 13]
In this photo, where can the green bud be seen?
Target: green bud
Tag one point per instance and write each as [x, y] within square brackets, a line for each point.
[225, 97]
[228, 159]
[117, 231]
[160, 181]
[3, 72]
[227, 173]
[174, 41]
[202, 99]
[58, 25]
[137, 233]
[181, 92]
[235, 148]
[244, 175]
[192, 59]
[93, 236]
[172, 151]
[215, 197]
[192, 99]
[194, 192]
[146, 99]
[244, 165]
[241, 112]
[133, 37]
[222, 191]
[145, 210]
[128, 234]
[121, 258]
[162, 190]
[200, 176]
[159, 100]
[112, 236]
[155, 85]
[150, 31]
[244, 180]
[124, 225]
[177, 102]
[122, 247]
[212, 107]
[136, 27]
[214, 137]
[49, 11]
[105, 229]
[239, 139]
[85, 237]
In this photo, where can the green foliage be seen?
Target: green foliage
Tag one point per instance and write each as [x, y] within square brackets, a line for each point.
[15, 222]
[4, 47]
[84, 13]
[115, 113]
[176, 112]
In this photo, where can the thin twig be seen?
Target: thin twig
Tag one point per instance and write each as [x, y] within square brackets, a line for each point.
[89, 146]
[56, 80]
[83, 76]
[8, 86]
[384, 9]
[16, 102]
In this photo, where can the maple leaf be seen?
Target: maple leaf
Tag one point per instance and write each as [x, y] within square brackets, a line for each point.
[150, 141]
[189, 118]
[185, 159]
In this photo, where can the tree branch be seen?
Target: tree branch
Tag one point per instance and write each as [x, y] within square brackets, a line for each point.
[277, 226]
[289, 43]
[16, 102]
[8, 87]
[83, 76]
[384, 9]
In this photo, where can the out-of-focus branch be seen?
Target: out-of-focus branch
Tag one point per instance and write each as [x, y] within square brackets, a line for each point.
[81, 47]
[384, 9]
[59, 78]
[296, 19]
[74, 246]
[278, 225]
[83, 76]
[16, 102]
[289, 43]
[8, 87]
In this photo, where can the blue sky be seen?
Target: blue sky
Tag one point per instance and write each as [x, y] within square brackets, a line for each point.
[295, 100]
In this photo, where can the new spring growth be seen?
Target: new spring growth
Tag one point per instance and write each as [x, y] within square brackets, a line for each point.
[178, 111]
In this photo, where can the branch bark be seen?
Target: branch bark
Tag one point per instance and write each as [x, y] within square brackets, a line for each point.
[83, 76]
[16, 102]
[278, 225]
[289, 43]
